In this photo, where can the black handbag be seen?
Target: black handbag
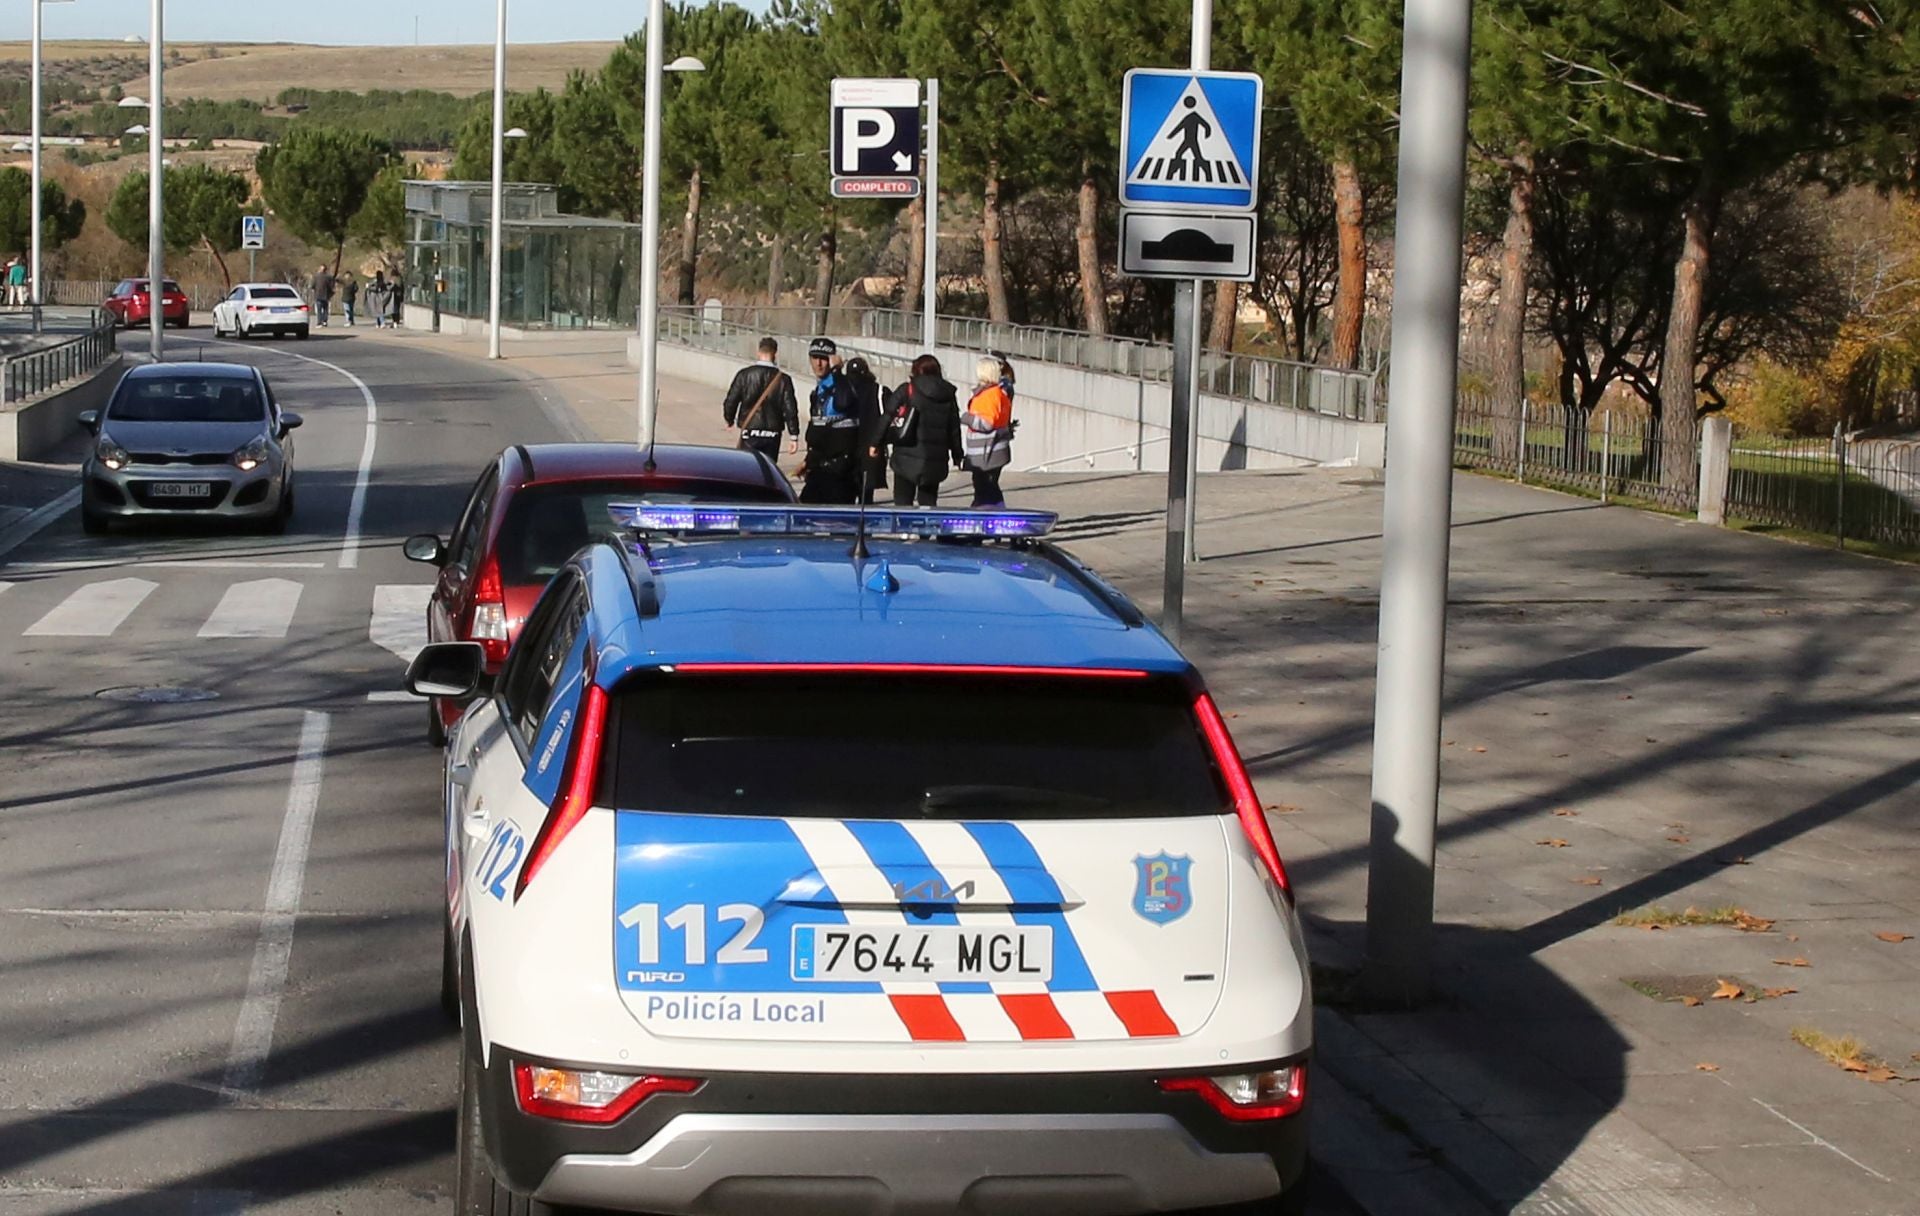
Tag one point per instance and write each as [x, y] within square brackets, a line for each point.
[903, 425]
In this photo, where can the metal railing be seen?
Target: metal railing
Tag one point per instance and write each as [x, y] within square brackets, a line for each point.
[1605, 453]
[1277, 382]
[31, 373]
[1863, 490]
[201, 297]
[693, 329]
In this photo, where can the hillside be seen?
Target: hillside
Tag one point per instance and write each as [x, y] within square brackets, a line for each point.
[258, 71]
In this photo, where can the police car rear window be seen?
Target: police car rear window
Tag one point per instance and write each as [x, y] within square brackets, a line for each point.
[862, 745]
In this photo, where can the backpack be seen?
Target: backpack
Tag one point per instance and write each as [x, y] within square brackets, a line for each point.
[903, 424]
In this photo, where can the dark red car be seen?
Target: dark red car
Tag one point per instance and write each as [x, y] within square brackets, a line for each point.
[131, 303]
[535, 506]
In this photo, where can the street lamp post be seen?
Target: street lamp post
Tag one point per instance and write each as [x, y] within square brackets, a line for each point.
[650, 219]
[156, 191]
[499, 179]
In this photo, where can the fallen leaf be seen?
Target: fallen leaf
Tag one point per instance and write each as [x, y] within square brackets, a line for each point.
[1479, 749]
[1749, 923]
[1588, 882]
[1725, 990]
[1881, 1074]
[1895, 938]
[1704, 1067]
[1855, 1064]
[1553, 843]
[1795, 961]
[1283, 808]
[1681, 839]
[1626, 696]
[1691, 1001]
[1775, 993]
[1731, 861]
[1793, 937]
[1654, 928]
[1567, 812]
[1773, 612]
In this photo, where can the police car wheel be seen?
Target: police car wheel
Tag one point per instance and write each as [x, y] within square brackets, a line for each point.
[476, 1191]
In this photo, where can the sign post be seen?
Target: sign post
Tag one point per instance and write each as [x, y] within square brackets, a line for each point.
[253, 238]
[1190, 156]
[930, 287]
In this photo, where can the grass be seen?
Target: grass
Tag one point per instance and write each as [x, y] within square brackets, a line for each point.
[1845, 1052]
[1653, 916]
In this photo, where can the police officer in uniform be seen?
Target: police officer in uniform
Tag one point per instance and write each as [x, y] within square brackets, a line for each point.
[831, 472]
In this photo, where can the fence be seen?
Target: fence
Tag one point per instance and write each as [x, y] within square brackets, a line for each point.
[201, 297]
[1866, 491]
[1613, 455]
[1278, 382]
[27, 375]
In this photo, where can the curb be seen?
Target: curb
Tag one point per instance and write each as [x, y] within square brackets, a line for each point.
[36, 521]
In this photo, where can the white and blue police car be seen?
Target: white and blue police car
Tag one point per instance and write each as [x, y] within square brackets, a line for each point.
[819, 860]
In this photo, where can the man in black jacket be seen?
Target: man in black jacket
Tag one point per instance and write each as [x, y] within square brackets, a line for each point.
[761, 402]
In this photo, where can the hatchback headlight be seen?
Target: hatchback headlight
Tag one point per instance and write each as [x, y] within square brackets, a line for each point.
[111, 454]
[255, 454]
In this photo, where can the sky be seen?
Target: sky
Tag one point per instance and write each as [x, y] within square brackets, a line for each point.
[359, 22]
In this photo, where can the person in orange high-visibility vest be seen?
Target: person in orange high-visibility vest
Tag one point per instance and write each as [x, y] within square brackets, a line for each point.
[988, 439]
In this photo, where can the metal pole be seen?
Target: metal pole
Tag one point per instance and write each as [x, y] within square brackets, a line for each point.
[499, 177]
[33, 262]
[1606, 456]
[1840, 484]
[1520, 461]
[650, 225]
[1419, 499]
[1200, 59]
[929, 314]
[1179, 423]
[156, 188]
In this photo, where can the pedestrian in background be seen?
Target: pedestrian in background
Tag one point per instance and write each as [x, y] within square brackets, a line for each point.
[17, 281]
[322, 295]
[760, 403]
[349, 296]
[872, 464]
[396, 302]
[989, 432]
[377, 292]
[831, 471]
[923, 418]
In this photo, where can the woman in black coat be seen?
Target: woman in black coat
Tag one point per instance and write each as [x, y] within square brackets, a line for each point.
[932, 446]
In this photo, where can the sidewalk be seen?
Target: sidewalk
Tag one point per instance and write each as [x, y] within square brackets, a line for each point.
[1640, 712]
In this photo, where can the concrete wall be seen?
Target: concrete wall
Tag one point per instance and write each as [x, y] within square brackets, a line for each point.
[1073, 419]
[35, 430]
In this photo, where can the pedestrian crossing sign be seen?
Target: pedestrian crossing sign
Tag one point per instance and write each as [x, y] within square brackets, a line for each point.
[1190, 140]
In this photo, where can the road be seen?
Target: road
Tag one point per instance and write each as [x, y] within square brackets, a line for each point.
[219, 919]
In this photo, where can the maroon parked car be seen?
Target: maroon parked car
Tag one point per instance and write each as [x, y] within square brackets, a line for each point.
[535, 506]
[131, 303]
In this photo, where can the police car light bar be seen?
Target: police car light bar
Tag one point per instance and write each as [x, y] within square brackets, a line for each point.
[922, 523]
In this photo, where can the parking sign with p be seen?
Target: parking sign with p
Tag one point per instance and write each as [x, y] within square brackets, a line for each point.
[876, 138]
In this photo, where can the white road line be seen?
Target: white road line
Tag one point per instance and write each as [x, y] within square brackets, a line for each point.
[94, 611]
[163, 563]
[1818, 1139]
[253, 1030]
[399, 621]
[390, 697]
[35, 521]
[357, 508]
[262, 608]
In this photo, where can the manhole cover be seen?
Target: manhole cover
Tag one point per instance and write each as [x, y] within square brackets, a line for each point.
[157, 696]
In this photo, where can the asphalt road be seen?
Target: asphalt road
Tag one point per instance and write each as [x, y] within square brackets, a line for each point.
[219, 919]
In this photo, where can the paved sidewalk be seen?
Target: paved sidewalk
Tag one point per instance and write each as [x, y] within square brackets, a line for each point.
[1639, 711]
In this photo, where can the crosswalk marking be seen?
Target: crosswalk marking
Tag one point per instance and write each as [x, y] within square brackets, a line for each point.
[262, 608]
[94, 611]
[399, 620]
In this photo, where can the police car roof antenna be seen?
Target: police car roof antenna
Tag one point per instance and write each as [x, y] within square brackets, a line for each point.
[860, 528]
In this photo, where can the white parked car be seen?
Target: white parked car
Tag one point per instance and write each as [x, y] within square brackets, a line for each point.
[261, 308]
[928, 880]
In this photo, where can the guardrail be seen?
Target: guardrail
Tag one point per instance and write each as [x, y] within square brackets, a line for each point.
[201, 297]
[1335, 392]
[25, 376]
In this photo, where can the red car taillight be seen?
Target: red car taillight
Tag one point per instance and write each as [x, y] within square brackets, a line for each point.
[573, 1095]
[1245, 1097]
[488, 625]
[577, 783]
[1246, 803]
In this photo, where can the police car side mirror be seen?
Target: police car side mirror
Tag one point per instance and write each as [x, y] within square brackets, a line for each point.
[447, 669]
[426, 549]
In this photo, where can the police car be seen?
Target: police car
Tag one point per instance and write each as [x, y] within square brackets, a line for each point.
[839, 861]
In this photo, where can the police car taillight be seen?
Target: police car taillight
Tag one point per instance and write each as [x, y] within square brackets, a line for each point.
[583, 1096]
[577, 785]
[1246, 803]
[1247, 1096]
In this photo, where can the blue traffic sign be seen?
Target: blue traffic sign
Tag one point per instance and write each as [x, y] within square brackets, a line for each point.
[1190, 140]
[253, 232]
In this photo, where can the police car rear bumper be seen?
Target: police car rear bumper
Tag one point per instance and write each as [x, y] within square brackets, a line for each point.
[1112, 1144]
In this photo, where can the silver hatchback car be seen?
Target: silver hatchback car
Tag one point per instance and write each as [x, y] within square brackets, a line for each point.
[181, 440]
